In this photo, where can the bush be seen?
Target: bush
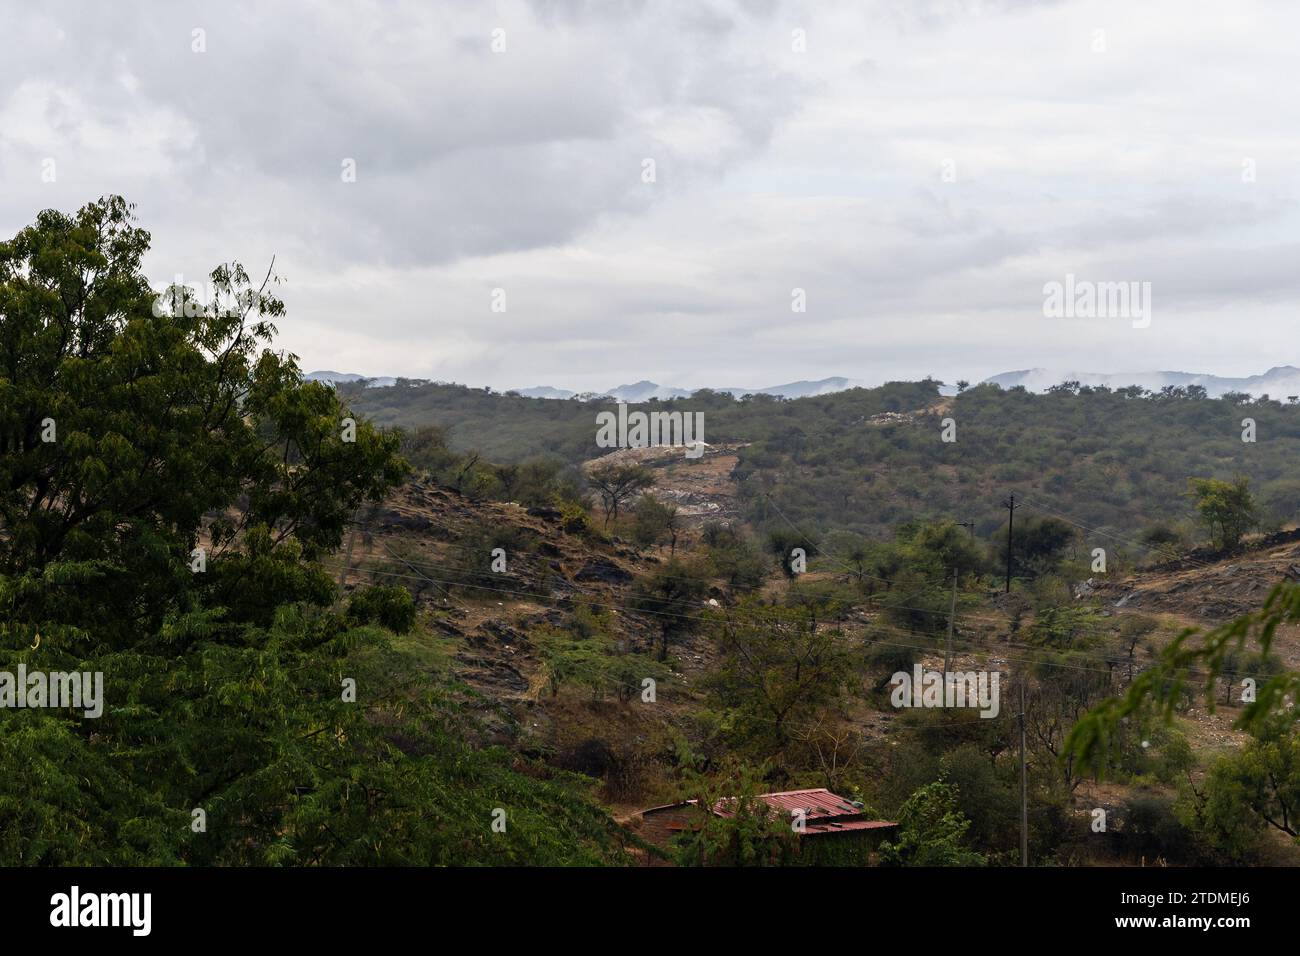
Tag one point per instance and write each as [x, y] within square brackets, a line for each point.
[1150, 829]
[886, 658]
[931, 831]
[654, 521]
[389, 606]
[733, 558]
[573, 519]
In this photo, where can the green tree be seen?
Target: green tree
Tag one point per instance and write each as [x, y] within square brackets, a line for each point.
[616, 482]
[987, 798]
[777, 667]
[733, 827]
[125, 419]
[1163, 539]
[387, 605]
[931, 831]
[1038, 545]
[733, 557]
[672, 594]
[942, 547]
[1226, 507]
[1258, 785]
[655, 521]
[426, 448]
[169, 488]
[782, 542]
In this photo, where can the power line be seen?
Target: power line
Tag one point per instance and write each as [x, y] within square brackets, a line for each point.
[1203, 565]
[871, 628]
[732, 587]
[889, 604]
[1011, 517]
[579, 589]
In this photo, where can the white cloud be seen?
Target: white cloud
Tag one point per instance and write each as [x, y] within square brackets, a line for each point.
[775, 169]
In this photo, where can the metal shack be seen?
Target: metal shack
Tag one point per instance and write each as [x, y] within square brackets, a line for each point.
[834, 831]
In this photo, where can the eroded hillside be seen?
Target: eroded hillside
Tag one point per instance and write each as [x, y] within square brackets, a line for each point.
[553, 652]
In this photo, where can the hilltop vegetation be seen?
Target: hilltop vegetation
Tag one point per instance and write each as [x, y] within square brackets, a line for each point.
[864, 460]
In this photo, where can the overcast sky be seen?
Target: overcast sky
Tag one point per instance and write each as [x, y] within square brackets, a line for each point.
[920, 169]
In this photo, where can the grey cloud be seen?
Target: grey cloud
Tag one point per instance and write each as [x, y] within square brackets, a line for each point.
[460, 151]
[774, 170]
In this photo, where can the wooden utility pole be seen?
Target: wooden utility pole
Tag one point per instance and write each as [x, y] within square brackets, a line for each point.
[1011, 515]
[347, 559]
[952, 616]
[1024, 783]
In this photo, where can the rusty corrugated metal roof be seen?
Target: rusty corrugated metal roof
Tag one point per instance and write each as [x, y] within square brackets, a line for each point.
[839, 826]
[819, 802]
[826, 812]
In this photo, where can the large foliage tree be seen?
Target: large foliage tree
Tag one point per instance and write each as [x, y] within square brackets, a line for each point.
[133, 427]
[169, 486]
[732, 826]
[777, 668]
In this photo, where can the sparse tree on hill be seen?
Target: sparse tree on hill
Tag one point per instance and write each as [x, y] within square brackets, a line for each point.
[1226, 507]
[733, 557]
[1163, 539]
[616, 482]
[672, 594]
[655, 521]
[781, 542]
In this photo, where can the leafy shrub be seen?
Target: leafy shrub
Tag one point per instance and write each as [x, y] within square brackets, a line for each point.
[388, 606]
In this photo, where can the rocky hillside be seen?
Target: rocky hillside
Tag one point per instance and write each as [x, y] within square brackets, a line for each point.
[503, 632]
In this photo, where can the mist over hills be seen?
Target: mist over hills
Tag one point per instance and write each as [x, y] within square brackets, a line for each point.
[645, 390]
[336, 378]
[634, 392]
[1278, 382]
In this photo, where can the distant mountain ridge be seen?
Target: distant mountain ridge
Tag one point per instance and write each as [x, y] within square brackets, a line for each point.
[632, 393]
[645, 390]
[333, 378]
[1278, 382]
